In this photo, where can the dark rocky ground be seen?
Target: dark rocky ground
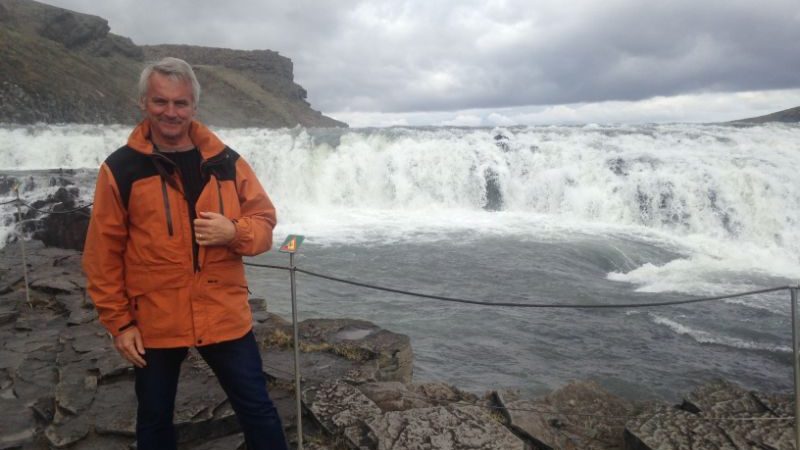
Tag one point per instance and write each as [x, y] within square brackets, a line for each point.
[63, 386]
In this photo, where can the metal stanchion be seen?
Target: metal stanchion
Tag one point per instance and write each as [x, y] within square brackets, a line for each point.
[22, 247]
[290, 246]
[796, 365]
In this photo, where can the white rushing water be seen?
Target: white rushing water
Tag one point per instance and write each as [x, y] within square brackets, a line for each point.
[724, 197]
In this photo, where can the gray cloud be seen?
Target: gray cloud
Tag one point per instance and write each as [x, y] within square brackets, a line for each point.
[400, 56]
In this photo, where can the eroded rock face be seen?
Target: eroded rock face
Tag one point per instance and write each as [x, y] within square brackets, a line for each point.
[63, 230]
[394, 415]
[548, 420]
[17, 423]
[442, 427]
[55, 230]
[698, 422]
[342, 410]
[362, 351]
[73, 29]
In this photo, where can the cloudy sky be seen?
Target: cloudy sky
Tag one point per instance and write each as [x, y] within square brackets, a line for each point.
[445, 62]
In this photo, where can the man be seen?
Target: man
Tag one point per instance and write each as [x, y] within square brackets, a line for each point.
[174, 211]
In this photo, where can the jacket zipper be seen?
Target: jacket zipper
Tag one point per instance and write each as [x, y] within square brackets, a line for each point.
[206, 164]
[219, 194]
[166, 206]
[203, 163]
[164, 177]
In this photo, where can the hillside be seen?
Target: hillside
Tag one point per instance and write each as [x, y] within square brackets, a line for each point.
[59, 66]
[788, 115]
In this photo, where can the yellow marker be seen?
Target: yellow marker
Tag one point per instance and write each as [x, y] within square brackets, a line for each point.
[292, 243]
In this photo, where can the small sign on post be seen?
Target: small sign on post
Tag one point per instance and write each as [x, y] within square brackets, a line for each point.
[292, 243]
[290, 246]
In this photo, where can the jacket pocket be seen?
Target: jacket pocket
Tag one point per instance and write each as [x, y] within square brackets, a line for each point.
[225, 292]
[225, 273]
[143, 279]
[157, 227]
[164, 313]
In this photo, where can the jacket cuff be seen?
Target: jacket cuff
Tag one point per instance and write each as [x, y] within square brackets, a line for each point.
[119, 326]
[239, 237]
[127, 325]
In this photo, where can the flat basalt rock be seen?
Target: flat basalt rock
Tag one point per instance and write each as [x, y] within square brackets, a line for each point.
[17, 424]
[100, 442]
[8, 316]
[358, 341]
[232, 442]
[114, 408]
[580, 415]
[442, 427]
[397, 396]
[393, 415]
[315, 367]
[700, 422]
[393, 396]
[53, 284]
[339, 405]
[67, 432]
[36, 376]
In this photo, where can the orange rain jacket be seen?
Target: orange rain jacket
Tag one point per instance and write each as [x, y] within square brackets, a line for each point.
[139, 256]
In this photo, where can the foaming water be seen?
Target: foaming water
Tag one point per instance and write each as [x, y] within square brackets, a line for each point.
[725, 197]
[526, 214]
[35, 147]
[705, 337]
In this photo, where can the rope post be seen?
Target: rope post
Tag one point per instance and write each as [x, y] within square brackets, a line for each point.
[296, 340]
[796, 364]
[290, 246]
[22, 247]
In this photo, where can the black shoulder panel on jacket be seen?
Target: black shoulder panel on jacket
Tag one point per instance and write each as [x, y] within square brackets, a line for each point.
[127, 165]
[224, 165]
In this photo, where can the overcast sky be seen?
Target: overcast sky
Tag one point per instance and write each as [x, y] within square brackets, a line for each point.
[445, 62]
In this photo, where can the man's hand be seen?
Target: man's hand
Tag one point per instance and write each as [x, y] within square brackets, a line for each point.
[129, 344]
[213, 229]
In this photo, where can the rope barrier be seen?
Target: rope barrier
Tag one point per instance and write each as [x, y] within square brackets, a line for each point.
[520, 305]
[8, 202]
[268, 266]
[70, 211]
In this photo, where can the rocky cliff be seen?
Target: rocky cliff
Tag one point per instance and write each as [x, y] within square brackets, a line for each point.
[58, 65]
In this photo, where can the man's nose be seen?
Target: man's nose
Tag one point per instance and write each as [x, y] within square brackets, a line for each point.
[170, 110]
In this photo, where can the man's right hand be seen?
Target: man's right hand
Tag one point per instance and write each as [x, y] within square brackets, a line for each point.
[129, 344]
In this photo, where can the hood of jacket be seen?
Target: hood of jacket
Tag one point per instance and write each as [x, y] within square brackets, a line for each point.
[204, 139]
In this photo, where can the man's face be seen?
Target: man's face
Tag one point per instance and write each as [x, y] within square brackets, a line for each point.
[170, 107]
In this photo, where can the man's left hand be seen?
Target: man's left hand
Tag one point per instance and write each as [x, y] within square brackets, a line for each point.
[213, 229]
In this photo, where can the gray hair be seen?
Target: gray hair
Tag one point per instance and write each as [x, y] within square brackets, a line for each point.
[175, 69]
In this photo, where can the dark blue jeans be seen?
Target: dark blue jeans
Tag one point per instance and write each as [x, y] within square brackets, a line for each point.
[237, 364]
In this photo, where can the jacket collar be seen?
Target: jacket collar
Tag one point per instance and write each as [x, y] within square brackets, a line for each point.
[206, 141]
